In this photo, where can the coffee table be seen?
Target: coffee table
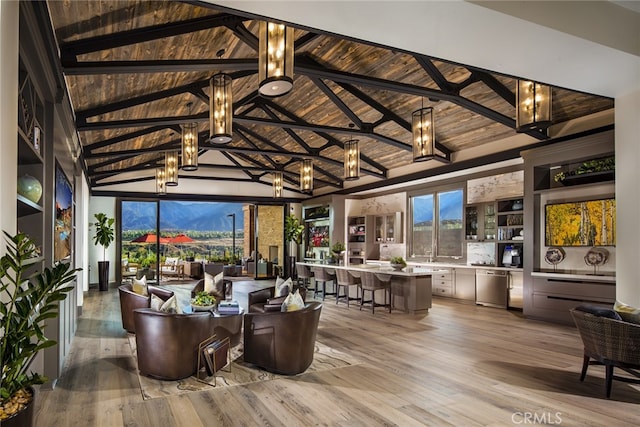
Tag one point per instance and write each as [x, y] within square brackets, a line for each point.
[225, 325]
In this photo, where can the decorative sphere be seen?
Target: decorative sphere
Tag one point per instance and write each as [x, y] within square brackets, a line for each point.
[30, 188]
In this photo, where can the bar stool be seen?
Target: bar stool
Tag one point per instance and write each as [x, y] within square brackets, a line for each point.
[304, 276]
[345, 281]
[322, 276]
[371, 282]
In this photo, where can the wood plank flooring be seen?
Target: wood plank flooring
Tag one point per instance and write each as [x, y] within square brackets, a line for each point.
[459, 365]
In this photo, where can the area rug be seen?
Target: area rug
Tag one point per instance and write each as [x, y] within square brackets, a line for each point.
[235, 373]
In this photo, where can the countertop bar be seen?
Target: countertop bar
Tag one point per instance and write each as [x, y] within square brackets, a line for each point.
[409, 271]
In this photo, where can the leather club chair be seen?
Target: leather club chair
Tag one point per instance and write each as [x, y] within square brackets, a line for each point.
[282, 343]
[262, 301]
[167, 343]
[220, 293]
[130, 301]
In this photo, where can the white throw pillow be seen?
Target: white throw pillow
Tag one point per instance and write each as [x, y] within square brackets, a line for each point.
[293, 302]
[156, 302]
[283, 287]
[213, 283]
[140, 286]
[171, 306]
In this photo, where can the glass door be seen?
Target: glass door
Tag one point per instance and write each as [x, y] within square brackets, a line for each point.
[139, 244]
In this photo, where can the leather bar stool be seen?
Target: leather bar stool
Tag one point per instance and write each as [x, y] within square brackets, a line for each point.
[305, 275]
[322, 276]
[345, 281]
[372, 282]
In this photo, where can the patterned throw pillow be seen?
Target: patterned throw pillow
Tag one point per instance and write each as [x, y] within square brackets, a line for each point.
[213, 284]
[140, 286]
[171, 306]
[293, 302]
[283, 287]
[628, 313]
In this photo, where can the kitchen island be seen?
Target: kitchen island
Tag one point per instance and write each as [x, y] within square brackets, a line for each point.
[411, 286]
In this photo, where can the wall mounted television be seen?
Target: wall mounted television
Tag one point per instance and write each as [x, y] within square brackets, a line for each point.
[581, 223]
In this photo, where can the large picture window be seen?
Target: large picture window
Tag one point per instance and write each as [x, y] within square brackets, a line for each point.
[436, 226]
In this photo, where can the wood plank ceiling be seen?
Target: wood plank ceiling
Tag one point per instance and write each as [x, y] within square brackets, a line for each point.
[131, 68]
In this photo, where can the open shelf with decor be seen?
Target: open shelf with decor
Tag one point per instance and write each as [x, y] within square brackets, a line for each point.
[356, 239]
[510, 232]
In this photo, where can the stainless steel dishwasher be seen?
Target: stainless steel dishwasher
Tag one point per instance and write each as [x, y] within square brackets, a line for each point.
[492, 288]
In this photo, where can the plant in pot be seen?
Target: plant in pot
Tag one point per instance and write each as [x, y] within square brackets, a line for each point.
[27, 302]
[337, 250]
[398, 263]
[293, 234]
[104, 237]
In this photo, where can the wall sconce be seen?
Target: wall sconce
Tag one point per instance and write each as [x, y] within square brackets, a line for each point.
[533, 106]
[277, 185]
[275, 59]
[220, 109]
[171, 168]
[306, 176]
[189, 145]
[423, 130]
[160, 181]
[351, 160]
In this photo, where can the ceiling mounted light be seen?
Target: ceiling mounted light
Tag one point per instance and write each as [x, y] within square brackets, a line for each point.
[423, 129]
[277, 185]
[171, 168]
[189, 144]
[220, 109]
[351, 160]
[306, 176]
[533, 106]
[275, 59]
[160, 181]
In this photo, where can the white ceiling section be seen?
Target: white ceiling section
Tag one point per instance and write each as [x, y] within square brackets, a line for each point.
[475, 35]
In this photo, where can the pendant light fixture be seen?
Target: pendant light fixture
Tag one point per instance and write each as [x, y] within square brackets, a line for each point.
[423, 130]
[306, 176]
[533, 106]
[277, 185]
[220, 109]
[160, 181]
[351, 159]
[171, 168]
[275, 59]
[189, 144]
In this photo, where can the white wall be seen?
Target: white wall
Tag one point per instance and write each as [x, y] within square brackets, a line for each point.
[106, 205]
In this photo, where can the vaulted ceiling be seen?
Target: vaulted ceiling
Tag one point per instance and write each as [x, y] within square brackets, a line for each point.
[132, 67]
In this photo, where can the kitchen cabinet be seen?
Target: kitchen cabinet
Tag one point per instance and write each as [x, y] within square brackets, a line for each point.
[480, 222]
[442, 283]
[464, 285]
[357, 239]
[388, 228]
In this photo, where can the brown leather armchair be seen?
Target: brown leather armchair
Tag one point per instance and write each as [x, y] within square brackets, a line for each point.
[167, 343]
[129, 301]
[262, 301]
[282, 343]
[220, 293]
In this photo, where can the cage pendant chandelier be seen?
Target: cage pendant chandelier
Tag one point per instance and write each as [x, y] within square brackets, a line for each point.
[533, 106]
[220, 109]
[160, 181]
[277, 185]
[351, 160]
[189, 145]
[306, 176]
[275, 59]
[423, 130]
[171, 168]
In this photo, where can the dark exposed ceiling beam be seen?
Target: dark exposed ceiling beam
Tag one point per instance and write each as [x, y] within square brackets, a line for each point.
[496, 86]
[337, 101]
[85, 68]
[244, 34]
[434, 73]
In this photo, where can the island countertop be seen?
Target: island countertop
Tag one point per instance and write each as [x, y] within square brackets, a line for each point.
[409, 271]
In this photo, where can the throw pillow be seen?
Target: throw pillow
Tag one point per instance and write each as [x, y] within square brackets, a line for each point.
[628, 313]
[140, 286]
[171, 306]
[283, 287]
[599, 311]
[156, 302]
[293, 302]
[209, 283]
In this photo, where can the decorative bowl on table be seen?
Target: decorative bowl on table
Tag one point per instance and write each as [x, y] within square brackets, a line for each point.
[398, 267]
[196, 307]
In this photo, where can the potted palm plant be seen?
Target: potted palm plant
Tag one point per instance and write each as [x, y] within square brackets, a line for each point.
[104, 237]
[293, 234]
[27, 301]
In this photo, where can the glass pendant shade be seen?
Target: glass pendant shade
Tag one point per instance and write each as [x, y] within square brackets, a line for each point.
[533, 106]
[160, 181]
[190, 146]
[220, 109]
[423, 134]
[351, 160]
[275, 59]
[277, 185]
[171, 168]
[306, 176]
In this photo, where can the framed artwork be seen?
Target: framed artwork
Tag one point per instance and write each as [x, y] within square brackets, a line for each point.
[64, 216]
[581, 223]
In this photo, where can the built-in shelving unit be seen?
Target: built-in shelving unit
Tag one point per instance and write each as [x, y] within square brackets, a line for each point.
[510, 231]
[357, 239]
[388, 228]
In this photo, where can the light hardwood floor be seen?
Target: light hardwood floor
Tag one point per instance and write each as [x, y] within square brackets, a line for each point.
[460, 365]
